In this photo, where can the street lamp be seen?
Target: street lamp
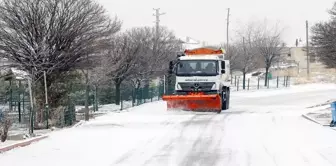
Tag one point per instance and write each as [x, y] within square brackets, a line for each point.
[46, 97]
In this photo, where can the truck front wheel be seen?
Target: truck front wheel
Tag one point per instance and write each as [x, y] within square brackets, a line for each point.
[228, 98]
[225, 98]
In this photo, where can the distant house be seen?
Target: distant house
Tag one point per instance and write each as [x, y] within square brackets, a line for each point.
[189, 43]
[299, 55]
[293, 61]
[4, 65]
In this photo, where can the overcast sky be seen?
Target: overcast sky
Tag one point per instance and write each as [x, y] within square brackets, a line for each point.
[205, 20]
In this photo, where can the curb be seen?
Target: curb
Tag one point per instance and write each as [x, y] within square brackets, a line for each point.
[78, 124]
[21, 144]
[313, 120]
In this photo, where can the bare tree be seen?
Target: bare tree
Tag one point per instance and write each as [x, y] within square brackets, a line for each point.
[145, 65]
[324, 39]
[53, 36]
[121, 60]
[165, 49]
[246, 60]
[159, 52]
[268, 44]
[136, 55]
[232, 55]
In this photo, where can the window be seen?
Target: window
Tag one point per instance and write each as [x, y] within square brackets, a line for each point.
[197, 68]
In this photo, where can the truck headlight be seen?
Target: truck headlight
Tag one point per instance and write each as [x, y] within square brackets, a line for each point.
[214, 87]
[178, 87]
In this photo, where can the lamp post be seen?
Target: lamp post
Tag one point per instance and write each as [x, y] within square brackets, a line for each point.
[46, 98]
[31, 119]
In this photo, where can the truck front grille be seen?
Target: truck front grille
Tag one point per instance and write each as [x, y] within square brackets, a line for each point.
[196, 86]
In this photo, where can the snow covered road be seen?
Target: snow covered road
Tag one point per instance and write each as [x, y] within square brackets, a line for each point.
[263, 128]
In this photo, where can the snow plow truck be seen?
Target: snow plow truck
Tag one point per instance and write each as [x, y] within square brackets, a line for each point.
[202, 81]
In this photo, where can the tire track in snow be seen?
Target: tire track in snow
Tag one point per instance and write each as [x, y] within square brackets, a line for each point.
[170, 125]
[206, 148]
[166, 149]
[179, 140]
[197, 152]
[325, 158]
[135, 151]
[248, 158]
[268, 152]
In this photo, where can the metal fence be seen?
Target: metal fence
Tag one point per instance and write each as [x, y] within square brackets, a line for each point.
[256, 83]
[104, 100]
[15, 105]
[237, 83]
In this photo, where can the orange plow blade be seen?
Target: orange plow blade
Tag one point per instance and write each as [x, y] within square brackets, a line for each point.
[199, 102]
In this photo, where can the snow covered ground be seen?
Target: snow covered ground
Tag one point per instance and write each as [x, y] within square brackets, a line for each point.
[112, 107]
[262, 128]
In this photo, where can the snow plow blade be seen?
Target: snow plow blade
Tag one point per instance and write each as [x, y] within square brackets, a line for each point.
[194, 102]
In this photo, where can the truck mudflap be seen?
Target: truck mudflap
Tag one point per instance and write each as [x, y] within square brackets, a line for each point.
[194, 102]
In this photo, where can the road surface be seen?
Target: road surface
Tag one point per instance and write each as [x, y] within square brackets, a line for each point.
[263, 128]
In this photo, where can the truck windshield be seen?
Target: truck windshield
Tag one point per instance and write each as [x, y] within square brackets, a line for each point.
[197, 68]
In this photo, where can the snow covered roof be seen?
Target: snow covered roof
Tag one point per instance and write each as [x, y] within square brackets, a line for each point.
[18, 74]
[284, 66]
[190, 43]
[189, 40]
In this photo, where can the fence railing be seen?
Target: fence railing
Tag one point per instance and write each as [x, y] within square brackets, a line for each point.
[15, 106]
[101, 102]
[256, 83]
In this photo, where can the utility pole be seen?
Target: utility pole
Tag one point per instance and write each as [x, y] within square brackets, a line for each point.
[164, 84]
[157, 36]
[307, 48]
[227, 29]
[245, 54]
[157, 20]
[244, 45]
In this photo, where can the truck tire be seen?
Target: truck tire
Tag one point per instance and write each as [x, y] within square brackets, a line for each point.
[225, 95]
[228, 98]
[221, 103]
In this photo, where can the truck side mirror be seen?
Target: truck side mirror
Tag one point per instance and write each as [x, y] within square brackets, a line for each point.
[223, 67]
[171, 67]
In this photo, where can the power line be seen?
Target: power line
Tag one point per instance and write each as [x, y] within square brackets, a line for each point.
[157, 22]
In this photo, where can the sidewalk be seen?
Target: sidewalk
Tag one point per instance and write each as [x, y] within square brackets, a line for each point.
[9, 145]
[20, 138]
[320, 114]
[17, 135]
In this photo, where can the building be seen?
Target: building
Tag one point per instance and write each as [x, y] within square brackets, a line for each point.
[190, 43]
[293, 62]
